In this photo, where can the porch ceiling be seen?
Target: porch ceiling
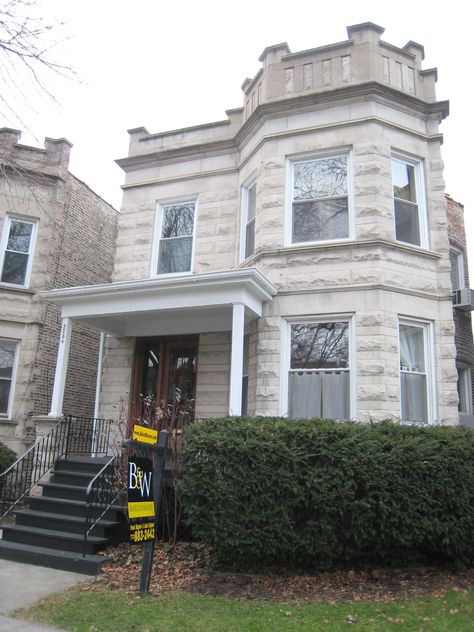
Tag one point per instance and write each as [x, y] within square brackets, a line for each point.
[166, 306]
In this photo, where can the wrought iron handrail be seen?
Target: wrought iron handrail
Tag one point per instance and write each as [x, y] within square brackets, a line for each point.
[104, 490]
[70, 435]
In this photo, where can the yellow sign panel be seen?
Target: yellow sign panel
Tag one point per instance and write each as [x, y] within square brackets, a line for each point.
[142, 532]
[145, 435]
[144, 509]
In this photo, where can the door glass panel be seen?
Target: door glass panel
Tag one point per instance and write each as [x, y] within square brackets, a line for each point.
[151, 367]
[182, 374]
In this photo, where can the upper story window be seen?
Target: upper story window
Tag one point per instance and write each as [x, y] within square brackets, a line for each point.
[173, 252]
[8, 353]
[249, 201]
[416, 370]
[319, 377]
[409, 202]
[16, 251]
[319, 199]
[457, 269]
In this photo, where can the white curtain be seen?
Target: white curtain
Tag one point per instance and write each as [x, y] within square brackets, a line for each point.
[412, 376]
[319, 394]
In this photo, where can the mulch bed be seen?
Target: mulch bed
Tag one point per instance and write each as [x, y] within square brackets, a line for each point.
[185, 567]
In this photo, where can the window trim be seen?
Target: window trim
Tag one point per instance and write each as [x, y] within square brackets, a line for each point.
[418, 164]
[11, 395]
[31, 251]
[155, 250]
[285, 352]
[429, 352]
[336, 152]
[244, 197]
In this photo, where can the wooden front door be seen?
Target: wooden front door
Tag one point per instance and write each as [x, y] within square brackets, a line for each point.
[166, 370]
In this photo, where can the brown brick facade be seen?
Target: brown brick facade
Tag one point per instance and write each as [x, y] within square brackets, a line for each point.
[75, 245]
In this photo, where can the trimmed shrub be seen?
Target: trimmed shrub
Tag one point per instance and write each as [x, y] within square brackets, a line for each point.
[7, 457]
[316, 493]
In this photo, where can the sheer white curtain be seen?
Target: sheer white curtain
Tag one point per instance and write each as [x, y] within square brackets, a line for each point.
[412, 374]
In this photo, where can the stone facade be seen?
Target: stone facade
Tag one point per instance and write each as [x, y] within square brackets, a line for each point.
[363, 99]
[74, 245]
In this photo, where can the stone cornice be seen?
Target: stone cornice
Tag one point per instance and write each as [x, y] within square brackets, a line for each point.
[282, 107]
[385, 287]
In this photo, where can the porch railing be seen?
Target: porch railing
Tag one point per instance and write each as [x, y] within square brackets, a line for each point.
[105, 490]
[71, 435]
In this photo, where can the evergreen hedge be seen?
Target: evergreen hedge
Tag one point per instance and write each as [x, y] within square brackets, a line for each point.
[7, 457]
[317, 493]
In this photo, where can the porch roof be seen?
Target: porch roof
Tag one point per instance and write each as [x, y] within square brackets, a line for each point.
[194, 303]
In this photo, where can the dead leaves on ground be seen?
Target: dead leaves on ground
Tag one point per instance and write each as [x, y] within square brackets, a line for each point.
[185, 567]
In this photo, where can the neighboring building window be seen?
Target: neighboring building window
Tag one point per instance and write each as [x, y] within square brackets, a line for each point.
[408, 198]
[8, 351]
[249, 199]
[319, 375]
[320, 199]
[416, 373]
[16, 251]
[457, 269]
[175, 230]
[464, 391]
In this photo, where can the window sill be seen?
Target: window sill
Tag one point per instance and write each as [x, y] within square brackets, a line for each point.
[15, 288]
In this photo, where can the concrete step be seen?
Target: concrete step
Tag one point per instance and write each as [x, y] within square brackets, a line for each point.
[53, 539]
[52, 558]
[61, 522]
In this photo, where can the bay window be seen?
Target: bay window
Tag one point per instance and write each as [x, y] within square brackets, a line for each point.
[249, 201]
[416, 370]
[319, 199]
[319, 372]
[408, 201]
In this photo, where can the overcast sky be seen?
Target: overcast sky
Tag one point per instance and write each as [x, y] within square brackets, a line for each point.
[166, 65]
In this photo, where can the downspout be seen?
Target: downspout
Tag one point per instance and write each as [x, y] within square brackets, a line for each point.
[97, 387]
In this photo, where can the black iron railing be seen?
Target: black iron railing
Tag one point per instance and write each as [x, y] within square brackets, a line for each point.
[71, 435]
[105, 490]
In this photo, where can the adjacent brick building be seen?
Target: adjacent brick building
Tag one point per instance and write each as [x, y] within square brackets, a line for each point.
[55, 232]
[462, 310]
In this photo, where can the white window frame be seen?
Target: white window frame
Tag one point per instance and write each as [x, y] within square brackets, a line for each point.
[155, 253]
[11, 395]
[285, 352]
[418, 166]
[244, 197]
[464, 375]
[4, 242]
[429, 357]
[459, 265]
[337, 152]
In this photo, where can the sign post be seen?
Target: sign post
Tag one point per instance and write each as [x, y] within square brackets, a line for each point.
[144, 493]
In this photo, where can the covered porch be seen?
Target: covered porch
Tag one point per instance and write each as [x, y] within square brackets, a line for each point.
[174, 309]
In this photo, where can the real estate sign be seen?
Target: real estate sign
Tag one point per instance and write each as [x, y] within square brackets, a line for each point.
[141, 505]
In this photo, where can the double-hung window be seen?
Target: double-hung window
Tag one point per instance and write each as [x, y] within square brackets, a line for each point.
[416, 370]
[319, 373]
[319, 199]
[409, 202]
[17, 251]
[464, 390]
[249, 200]
[175, 231]
[8, 353]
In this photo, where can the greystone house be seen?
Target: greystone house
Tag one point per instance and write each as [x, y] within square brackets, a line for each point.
[54, 232]
[294, 259]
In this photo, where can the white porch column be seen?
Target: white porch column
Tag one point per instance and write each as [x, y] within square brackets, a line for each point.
[236, 360]
[61, 369]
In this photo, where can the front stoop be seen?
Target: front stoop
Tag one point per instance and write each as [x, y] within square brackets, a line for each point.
[51, 531]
